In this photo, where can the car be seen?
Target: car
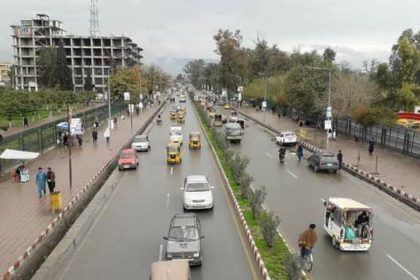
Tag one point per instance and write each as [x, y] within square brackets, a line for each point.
[198, 193]
[227, 106]
[128, 159]
[184, 239]
[323, 161]
[141, 143]
[176, 135]
[182, 99]
[286, 138]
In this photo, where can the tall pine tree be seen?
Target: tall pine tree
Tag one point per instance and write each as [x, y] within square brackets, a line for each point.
[63, 72]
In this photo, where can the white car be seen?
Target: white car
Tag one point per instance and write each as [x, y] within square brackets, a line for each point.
[141, 143]
[286, 138]
[176, 135]
[198, 194]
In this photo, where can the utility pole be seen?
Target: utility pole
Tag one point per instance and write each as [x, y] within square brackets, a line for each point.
[70, 142]
[265, 98]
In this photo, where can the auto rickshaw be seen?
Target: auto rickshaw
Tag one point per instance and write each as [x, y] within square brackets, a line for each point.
[181, 117]
[173, 153]
[173, 114]
[195, 140]
[211, 113]
[227, 106]
[218, 118]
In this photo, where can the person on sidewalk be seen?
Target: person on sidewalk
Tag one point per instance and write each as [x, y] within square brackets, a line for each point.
[107, 135]
[371, 146]
[340, 159]
[25, 122]
[51, 180]
[299, 152]
[79, 140]
[40, 181]
[94, 135]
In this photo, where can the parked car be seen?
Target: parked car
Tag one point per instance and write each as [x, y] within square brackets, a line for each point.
[128, 159]
[184, 239]
[286, 138]
[198, 194]
[323, 161]
[141, 143]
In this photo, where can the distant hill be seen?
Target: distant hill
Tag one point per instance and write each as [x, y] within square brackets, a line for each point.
[174, 65]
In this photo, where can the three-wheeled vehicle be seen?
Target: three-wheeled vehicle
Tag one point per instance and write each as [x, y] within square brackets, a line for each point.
[195, 140]
[349, 223]
[181, 117]
[211, 113]
[218, 120]
[173, 114]
[173, 153]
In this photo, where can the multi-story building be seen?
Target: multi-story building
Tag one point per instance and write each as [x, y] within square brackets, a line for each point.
[4, 73]
[85, 54]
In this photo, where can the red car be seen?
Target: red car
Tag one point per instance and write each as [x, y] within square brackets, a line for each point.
[128, 159]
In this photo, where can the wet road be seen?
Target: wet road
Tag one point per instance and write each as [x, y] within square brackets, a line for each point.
[127, 236]
[294, 192]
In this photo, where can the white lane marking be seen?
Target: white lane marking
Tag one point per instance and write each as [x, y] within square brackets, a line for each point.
[168, 197]
[160, 252]
[290, 172]
[172, 170]
[268, 154]
[402, 267]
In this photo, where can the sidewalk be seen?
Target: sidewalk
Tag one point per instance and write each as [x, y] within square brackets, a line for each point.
[24, 216]
[394, 168]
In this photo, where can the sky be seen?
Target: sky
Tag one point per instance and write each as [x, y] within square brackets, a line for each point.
[172, 32]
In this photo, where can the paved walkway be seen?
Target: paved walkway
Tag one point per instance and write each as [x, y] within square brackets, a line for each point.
[23, 216]
[393, 167]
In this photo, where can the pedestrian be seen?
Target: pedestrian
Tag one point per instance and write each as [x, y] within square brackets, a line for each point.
[371, 146]
[40, 181]
[51, 180]
[340, 159]
[94, 135]
[65, 139]
[334, 134]
[107, 135]
[79, 140]
[128, 112]
[299, 152]
[25, 122]
[137, 109]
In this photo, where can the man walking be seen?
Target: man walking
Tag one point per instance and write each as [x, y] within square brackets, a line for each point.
[299, 152]
[340, 159]
[107, 135]
[51, 180]
[371, 146]
[25, 122]
[94, 135]
[40, 181]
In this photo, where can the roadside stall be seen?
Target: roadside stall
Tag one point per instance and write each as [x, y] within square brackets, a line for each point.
[21, 174]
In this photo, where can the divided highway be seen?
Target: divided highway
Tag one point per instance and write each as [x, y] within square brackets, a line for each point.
[127, 237]
[294, 192]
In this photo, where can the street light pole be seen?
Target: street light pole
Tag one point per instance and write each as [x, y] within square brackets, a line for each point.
[265, 97]
[70, 142]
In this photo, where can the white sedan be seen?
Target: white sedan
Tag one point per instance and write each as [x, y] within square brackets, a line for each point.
[286, 138]
[198, 194]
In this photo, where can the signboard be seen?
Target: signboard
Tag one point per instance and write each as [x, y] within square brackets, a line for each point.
[264, 104]
[239, 96]
[302, 133]
[240, 89]
[141, 96]
[329, 112]
[327, 124]
[126, 96]
[131, 108]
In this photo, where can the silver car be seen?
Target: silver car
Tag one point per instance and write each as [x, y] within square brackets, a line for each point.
[184, 239]
[141, 143]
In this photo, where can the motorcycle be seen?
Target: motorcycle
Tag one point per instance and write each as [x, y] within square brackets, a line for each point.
[281, 158]
[159, 122]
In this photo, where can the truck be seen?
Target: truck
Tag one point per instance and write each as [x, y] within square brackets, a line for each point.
[233, 132]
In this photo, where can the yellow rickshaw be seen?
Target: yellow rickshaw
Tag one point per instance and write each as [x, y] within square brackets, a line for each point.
[181, 117]
[173, 114]
[211, 113]
[183, 109]
[218, 120]
[227, 106]
[173, 153]
[195, 140]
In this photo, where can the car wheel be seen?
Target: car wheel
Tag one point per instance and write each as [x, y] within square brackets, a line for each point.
[316, 168]
[335, 171]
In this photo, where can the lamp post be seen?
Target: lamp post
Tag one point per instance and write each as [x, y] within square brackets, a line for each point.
[70, 143]
[265, 98]
[328, 116]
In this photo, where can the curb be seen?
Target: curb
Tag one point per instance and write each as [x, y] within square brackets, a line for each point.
[13, 270]
[254, 250]
[399, 194]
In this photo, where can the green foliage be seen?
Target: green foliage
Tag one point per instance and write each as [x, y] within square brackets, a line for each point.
[126, 80]
[195, 71]
[370, 116]
[269, 223]
[62, 70]
[88, 85]
[329, 55]
[293, 266]
[257, 199]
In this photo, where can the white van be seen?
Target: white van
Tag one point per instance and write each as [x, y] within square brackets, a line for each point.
[349, 223]
[176, 135]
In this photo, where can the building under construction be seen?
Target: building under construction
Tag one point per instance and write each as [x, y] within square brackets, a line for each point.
[96, 55]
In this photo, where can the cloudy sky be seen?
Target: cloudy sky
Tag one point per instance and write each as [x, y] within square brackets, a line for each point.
[175, 31]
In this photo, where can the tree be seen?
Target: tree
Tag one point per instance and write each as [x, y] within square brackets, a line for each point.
[269, 223]
[125, 80]
[46, 64]
[88, 85]
[195, 71]
[329, 55]
[62, 71]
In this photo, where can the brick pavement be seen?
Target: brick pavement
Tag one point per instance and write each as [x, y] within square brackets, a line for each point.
[393, 167]
[23, 216]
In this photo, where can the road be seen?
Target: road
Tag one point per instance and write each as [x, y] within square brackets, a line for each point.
[126, 238]
[294, 192]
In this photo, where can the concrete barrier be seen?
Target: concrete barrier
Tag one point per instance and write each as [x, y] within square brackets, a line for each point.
[29, 262]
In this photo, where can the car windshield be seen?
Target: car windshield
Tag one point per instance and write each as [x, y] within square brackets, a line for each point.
[197, 187]
[176, 132]
[289, 134]
[126, 155]
[183, 233]
[140, 139]
[328, 158]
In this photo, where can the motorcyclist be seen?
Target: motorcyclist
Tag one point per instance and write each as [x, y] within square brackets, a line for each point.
[159, 119]
[282, 152]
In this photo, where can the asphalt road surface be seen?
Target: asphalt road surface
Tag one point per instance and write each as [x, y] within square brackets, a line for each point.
[127, 236]
[294, 192]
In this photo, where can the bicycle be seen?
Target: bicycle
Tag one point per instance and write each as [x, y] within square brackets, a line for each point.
[308, 260]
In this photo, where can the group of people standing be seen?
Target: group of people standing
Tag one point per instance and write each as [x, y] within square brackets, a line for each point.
[45, 178]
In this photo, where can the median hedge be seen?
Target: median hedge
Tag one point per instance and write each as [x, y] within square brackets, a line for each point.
[275, 257]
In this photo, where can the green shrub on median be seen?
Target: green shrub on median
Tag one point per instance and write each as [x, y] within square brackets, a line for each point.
[263, 226]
